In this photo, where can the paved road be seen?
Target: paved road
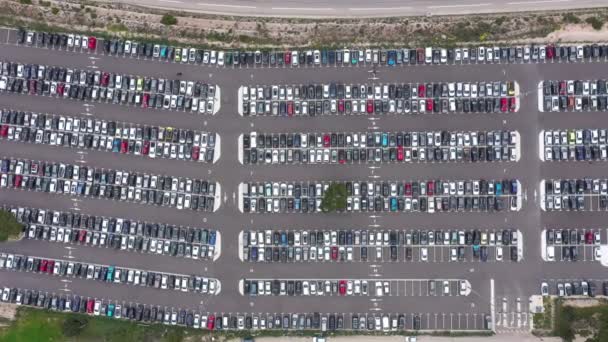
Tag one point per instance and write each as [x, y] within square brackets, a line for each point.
[512, 279]
[362, 8]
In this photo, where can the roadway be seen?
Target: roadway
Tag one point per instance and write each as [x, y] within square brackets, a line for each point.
[513, 279]
[361, 8]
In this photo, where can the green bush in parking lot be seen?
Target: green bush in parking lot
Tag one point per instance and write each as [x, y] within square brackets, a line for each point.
[334, 198]
[10, 228]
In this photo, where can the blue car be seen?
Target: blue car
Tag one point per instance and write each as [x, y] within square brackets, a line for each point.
[393, 204]
[498, 187]
[212, 236]
[384, 139]
[391, 57]
[116, 145]
[514, 186]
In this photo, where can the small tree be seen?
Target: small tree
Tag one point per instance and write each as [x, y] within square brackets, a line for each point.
[334, 198]
[73, 325]
[168, 20]
[9, 226]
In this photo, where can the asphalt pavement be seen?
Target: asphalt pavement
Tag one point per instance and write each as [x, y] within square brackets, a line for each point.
[362, 8]
[512, 280]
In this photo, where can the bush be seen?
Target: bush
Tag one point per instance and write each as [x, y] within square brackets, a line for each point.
[55, 10]
[25, 2]
[595, 22]
[45, 3]
[9, 226]
[334, 198]
[168, 20]
[571, 18]
[73, 325]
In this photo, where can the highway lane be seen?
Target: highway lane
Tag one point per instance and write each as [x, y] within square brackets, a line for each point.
[361, 8]
[514, 279]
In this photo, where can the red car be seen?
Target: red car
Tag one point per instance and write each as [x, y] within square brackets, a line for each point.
[287, 57]
[124, 145]
[146, 148]
[429, 105]
[399, 153]
[105, 79]
[82, 235]
[550, 51]
[342, 287]
[60, 88]
[334, 253]
[18, 179]
[326, 140]
[4, 131]
[50, 266]
[43, 266]
[90, 306]
[32, 87]
[341, 106]
[562, 88]
[145, 101]
[92, 43]
[195, 152]
[421, 90]
[430, 188]
[588, 237]
[290, 108]
[211, 322]
[503, 104]
[408, 189]
[370, 106]
[420, 53]
[512, 104]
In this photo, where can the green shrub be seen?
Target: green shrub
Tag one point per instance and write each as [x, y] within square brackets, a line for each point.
[9, 226]
[55, 10]
[595, 22]
[334, 198]
[25, 2]
[571, 18]
[168, 20]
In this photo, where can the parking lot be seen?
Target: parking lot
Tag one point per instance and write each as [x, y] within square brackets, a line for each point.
[486, 191]
[378, 246]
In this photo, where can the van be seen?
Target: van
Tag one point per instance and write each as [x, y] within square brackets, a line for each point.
[386, 326]
[428, 55]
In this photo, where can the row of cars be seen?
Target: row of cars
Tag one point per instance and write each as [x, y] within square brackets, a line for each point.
[144, 92]
[110, 309]
[117, 137]
[342, 148]
[332, 98]
[118, 233]
[110, 274]
[348, 287]
[369, 238]
[383, 91]
[349, 245]
[77, 180]
[569, 95]
[586, 288]
[425, 196]
[574, 194]
[575, 144]
[570, 242]
[322, 57]
[204, 320]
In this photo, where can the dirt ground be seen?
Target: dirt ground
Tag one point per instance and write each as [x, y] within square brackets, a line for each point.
[244, 32]
[7, 313]
[583, 302]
